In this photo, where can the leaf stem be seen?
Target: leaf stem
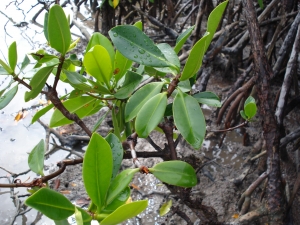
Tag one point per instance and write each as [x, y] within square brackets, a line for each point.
[59, 68]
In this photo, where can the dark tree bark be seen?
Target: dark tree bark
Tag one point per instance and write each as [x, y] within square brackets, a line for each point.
[262, 70]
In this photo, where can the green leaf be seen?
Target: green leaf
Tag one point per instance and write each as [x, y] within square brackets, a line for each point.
[52, 204]
[208, 98]
[194, 60]
[165, 208]
[74, 77]
[137, 46]
[25, 63]
[171, 56]
[261, 3]
[3, 71]
[132, 80]
[8, 96]
[175, 172]
[182, 39]
[117, 152]
[121, 181]
[46, 26]
[98, 64]
[12, 55]
[150, 114]
[99, 39]
[184, 86]
[97, 169]
[243, 115]
[36, 158]
[61, 222]
[6, 67]
[121, 65]
[125, 212]
[213, 21]
[59, 34]
[151, 71]
[99, 88]
[139, 98]
[83, 216]
[37, 82]
[250, 107]
[189, 119]
[96, 126]
[118, 201]
[82, 106]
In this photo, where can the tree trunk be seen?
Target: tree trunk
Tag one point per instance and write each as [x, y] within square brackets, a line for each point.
[263, 72]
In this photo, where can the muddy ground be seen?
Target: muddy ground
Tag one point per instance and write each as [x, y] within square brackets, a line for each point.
[216, 185]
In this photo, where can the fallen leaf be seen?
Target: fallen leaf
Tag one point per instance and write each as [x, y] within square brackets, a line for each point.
[65, 192]
[135, 187]
[235, 216]
[165, 208]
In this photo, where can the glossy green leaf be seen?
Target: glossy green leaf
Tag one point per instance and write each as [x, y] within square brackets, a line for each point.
[85, 217]
[189, 119]
[37, 82]
[250, 107]
[208, 98]
[139, 98]
[98, 64]
[165, 208]
[118, 184]
[25, 63]
[175, 172]
[132, 80]
[51, 203]
[137, 46]
[97, 125]
[150, 114]
[46, 26]
[78, 217]
[151, 71]
[117, 152]
[121, 65]
[125, 212]
[59, 34]
[171, 56]
[118, 201]
[6, 67]
[194, 60]
[99, 39]
[99, 88]
[97, 169]
[8, 96]
[36, 158]
[13, 55]
[182, 39]
[213, 21]
[82, 106]
[139, 25]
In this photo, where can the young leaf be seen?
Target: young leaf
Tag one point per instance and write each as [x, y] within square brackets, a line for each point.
[165, 208]
[85, 217]
[8, 96]
[12, 55]
[52, 204]
[38, 82]
[82, 106]
[121, 181]
[97, 169]
[182, 39]
[175, 172]
[125, 212]
[208, 98]
[150, 114]
[137, 46]
[6, 67]
[98, 64]
[36, 158]
[117, 152]
[99, 39]
[250, 108]
[189, 119]
[78, 217]
[132, 80]
[59, 34]
[139, 98]
[243, 115]
[118, 201]
[194, 60]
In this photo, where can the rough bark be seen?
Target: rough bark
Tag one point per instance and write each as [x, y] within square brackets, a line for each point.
[262, 70]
